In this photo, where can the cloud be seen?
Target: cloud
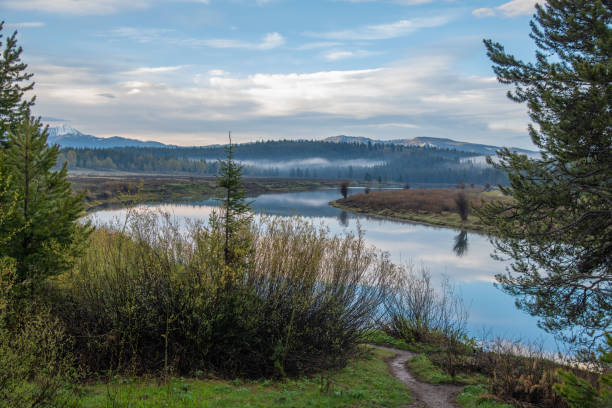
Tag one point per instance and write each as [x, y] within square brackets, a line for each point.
[339, 55]
[517, 127]
[513, 8]
[421, 96]
[317, 45]
[268, 42]
[86, 7]
[391, 125]
[154, 70]
[147, 35]
[384, 31]
[142, 35]
[26, 24]
[79, 7]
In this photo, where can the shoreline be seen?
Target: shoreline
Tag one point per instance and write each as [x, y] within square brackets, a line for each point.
[429, 219]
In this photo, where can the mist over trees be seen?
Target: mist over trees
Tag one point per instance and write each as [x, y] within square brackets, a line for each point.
[298, 159]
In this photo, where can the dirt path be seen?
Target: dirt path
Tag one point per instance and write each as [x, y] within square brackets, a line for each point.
[427, 395]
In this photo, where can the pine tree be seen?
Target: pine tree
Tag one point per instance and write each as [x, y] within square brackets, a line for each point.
[14, 83]
[45, 234]
[558, 228]
[236, 214]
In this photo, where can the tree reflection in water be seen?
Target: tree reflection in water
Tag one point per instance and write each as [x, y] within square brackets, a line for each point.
[461, 243]
[343, 219]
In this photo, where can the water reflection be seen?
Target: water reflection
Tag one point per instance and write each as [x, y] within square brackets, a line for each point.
[461, 243]
[443, 251]
[343, 219]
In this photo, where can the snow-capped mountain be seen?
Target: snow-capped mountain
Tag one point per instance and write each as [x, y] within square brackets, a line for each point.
[67, 136]
[434, 142]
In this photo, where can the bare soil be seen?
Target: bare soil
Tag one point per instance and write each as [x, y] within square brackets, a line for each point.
[426, 395]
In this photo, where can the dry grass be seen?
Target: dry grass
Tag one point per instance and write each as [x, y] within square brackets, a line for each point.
[436, 206]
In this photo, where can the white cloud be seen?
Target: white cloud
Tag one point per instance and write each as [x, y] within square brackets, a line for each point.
[142, 35]
[513, 8]
[85, 7]
[154, 70]
[79, 7]
[484, 12]
[339, 55]
[268, 42]
[217, 72]
[26, 24]
[425, 94]
[317, 45]
[391, 125]
[509, 126]
[147, 35]
[384, 31]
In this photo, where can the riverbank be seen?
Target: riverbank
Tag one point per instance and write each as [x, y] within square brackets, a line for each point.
[435, 206]
[119, 190]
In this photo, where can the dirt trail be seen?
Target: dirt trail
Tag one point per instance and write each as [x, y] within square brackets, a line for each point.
[427, 395]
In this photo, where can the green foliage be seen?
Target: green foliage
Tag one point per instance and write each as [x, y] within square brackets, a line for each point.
[478, 396]
[153, 297]
[36, 367]
[579, 393]
[558, 229]
[13, 84]
[428, 372]
[235, 219]
[42, 226]
[364, 382]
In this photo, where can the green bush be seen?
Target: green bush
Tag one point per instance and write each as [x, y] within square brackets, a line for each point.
[477, 396]
[36, 367]
[151, 296]
[579, 393]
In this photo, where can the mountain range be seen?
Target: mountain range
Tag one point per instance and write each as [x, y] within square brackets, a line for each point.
[432, 142]
[68, 137]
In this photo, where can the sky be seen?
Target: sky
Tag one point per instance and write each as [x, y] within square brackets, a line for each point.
[186, 72]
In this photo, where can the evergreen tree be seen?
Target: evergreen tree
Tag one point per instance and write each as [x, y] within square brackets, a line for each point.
[14, 83]
[45, 233]
[236, 214]
[558, 228]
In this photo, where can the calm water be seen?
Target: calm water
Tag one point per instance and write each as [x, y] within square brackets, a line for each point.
[464, 258]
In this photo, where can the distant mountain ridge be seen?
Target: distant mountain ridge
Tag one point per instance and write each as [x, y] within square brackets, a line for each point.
[67, 136]
[433, 142]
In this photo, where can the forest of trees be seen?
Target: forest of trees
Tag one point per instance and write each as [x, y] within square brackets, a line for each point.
[367, 162]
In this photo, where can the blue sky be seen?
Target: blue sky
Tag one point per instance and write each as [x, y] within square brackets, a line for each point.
[187, 71]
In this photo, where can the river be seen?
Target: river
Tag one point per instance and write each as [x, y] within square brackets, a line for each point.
[465, 258]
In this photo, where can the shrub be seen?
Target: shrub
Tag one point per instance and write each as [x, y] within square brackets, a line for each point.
[520, 373]
[417, 313]
[463, 206]
[36, 367]
[152, 297]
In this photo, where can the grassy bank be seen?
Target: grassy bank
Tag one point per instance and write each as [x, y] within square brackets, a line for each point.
[106, 190]
[435, 206]
[365, 382]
